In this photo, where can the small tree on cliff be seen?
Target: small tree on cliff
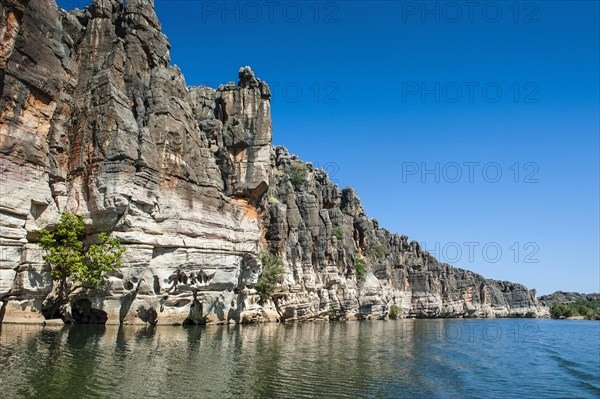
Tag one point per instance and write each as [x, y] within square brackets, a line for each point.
[360, 269]
[272, 268]
[73, 264]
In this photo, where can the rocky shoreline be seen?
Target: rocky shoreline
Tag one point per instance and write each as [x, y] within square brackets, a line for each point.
[95, 120]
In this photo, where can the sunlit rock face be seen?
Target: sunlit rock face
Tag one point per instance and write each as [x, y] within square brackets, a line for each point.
[320, 278]
[95, 120]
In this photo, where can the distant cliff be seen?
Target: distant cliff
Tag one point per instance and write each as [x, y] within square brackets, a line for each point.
[566, 298]
[95, 120]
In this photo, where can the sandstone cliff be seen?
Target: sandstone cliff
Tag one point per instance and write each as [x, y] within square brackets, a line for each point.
[95, 120]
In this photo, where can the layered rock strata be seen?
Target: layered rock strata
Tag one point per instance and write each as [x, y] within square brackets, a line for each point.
[96, 121]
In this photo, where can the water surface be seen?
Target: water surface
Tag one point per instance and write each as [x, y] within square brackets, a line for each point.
[379, 359]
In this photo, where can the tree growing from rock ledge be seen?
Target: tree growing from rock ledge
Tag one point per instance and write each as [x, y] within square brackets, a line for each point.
[360, 269]
[394, 312]
[73, 264]
[272, 268]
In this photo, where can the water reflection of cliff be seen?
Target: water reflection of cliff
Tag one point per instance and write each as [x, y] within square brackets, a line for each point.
[333, 360]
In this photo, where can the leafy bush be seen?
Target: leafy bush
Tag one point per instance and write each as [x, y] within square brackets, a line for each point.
[272, 268]
[559, 310]
[338, 233]
[73, 264]
[298, 172]
[377, 251]
[394, 311]
[360, 269]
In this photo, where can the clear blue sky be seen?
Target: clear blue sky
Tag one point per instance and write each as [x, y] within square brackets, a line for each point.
[378, 91]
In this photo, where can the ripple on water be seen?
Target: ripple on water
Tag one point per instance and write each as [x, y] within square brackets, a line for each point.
[309, 360]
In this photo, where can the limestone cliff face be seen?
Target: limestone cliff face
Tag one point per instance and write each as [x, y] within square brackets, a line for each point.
[95, 120]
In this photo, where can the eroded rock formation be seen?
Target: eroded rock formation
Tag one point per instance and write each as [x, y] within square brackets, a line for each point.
[95, 120]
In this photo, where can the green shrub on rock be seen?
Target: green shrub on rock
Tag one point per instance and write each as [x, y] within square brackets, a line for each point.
[360, 269]
[338, 233]
[394, 311]
[298, 172]
[272, 268]
[377, 251]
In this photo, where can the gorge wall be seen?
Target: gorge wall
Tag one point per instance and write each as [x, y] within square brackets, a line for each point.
[95, 120]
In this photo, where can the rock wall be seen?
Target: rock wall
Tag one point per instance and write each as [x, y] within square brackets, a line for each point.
[95, 120]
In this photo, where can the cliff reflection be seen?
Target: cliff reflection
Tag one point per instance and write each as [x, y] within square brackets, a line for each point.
[403, 358]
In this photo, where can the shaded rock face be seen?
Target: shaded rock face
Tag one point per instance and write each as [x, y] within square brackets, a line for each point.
[95, 120]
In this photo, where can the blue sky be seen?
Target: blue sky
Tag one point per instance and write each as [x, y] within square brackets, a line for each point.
[499, 101]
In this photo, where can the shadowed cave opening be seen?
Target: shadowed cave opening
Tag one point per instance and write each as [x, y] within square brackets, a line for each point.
[83, 313]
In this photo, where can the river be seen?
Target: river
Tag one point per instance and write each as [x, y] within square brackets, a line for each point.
[504, 358]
